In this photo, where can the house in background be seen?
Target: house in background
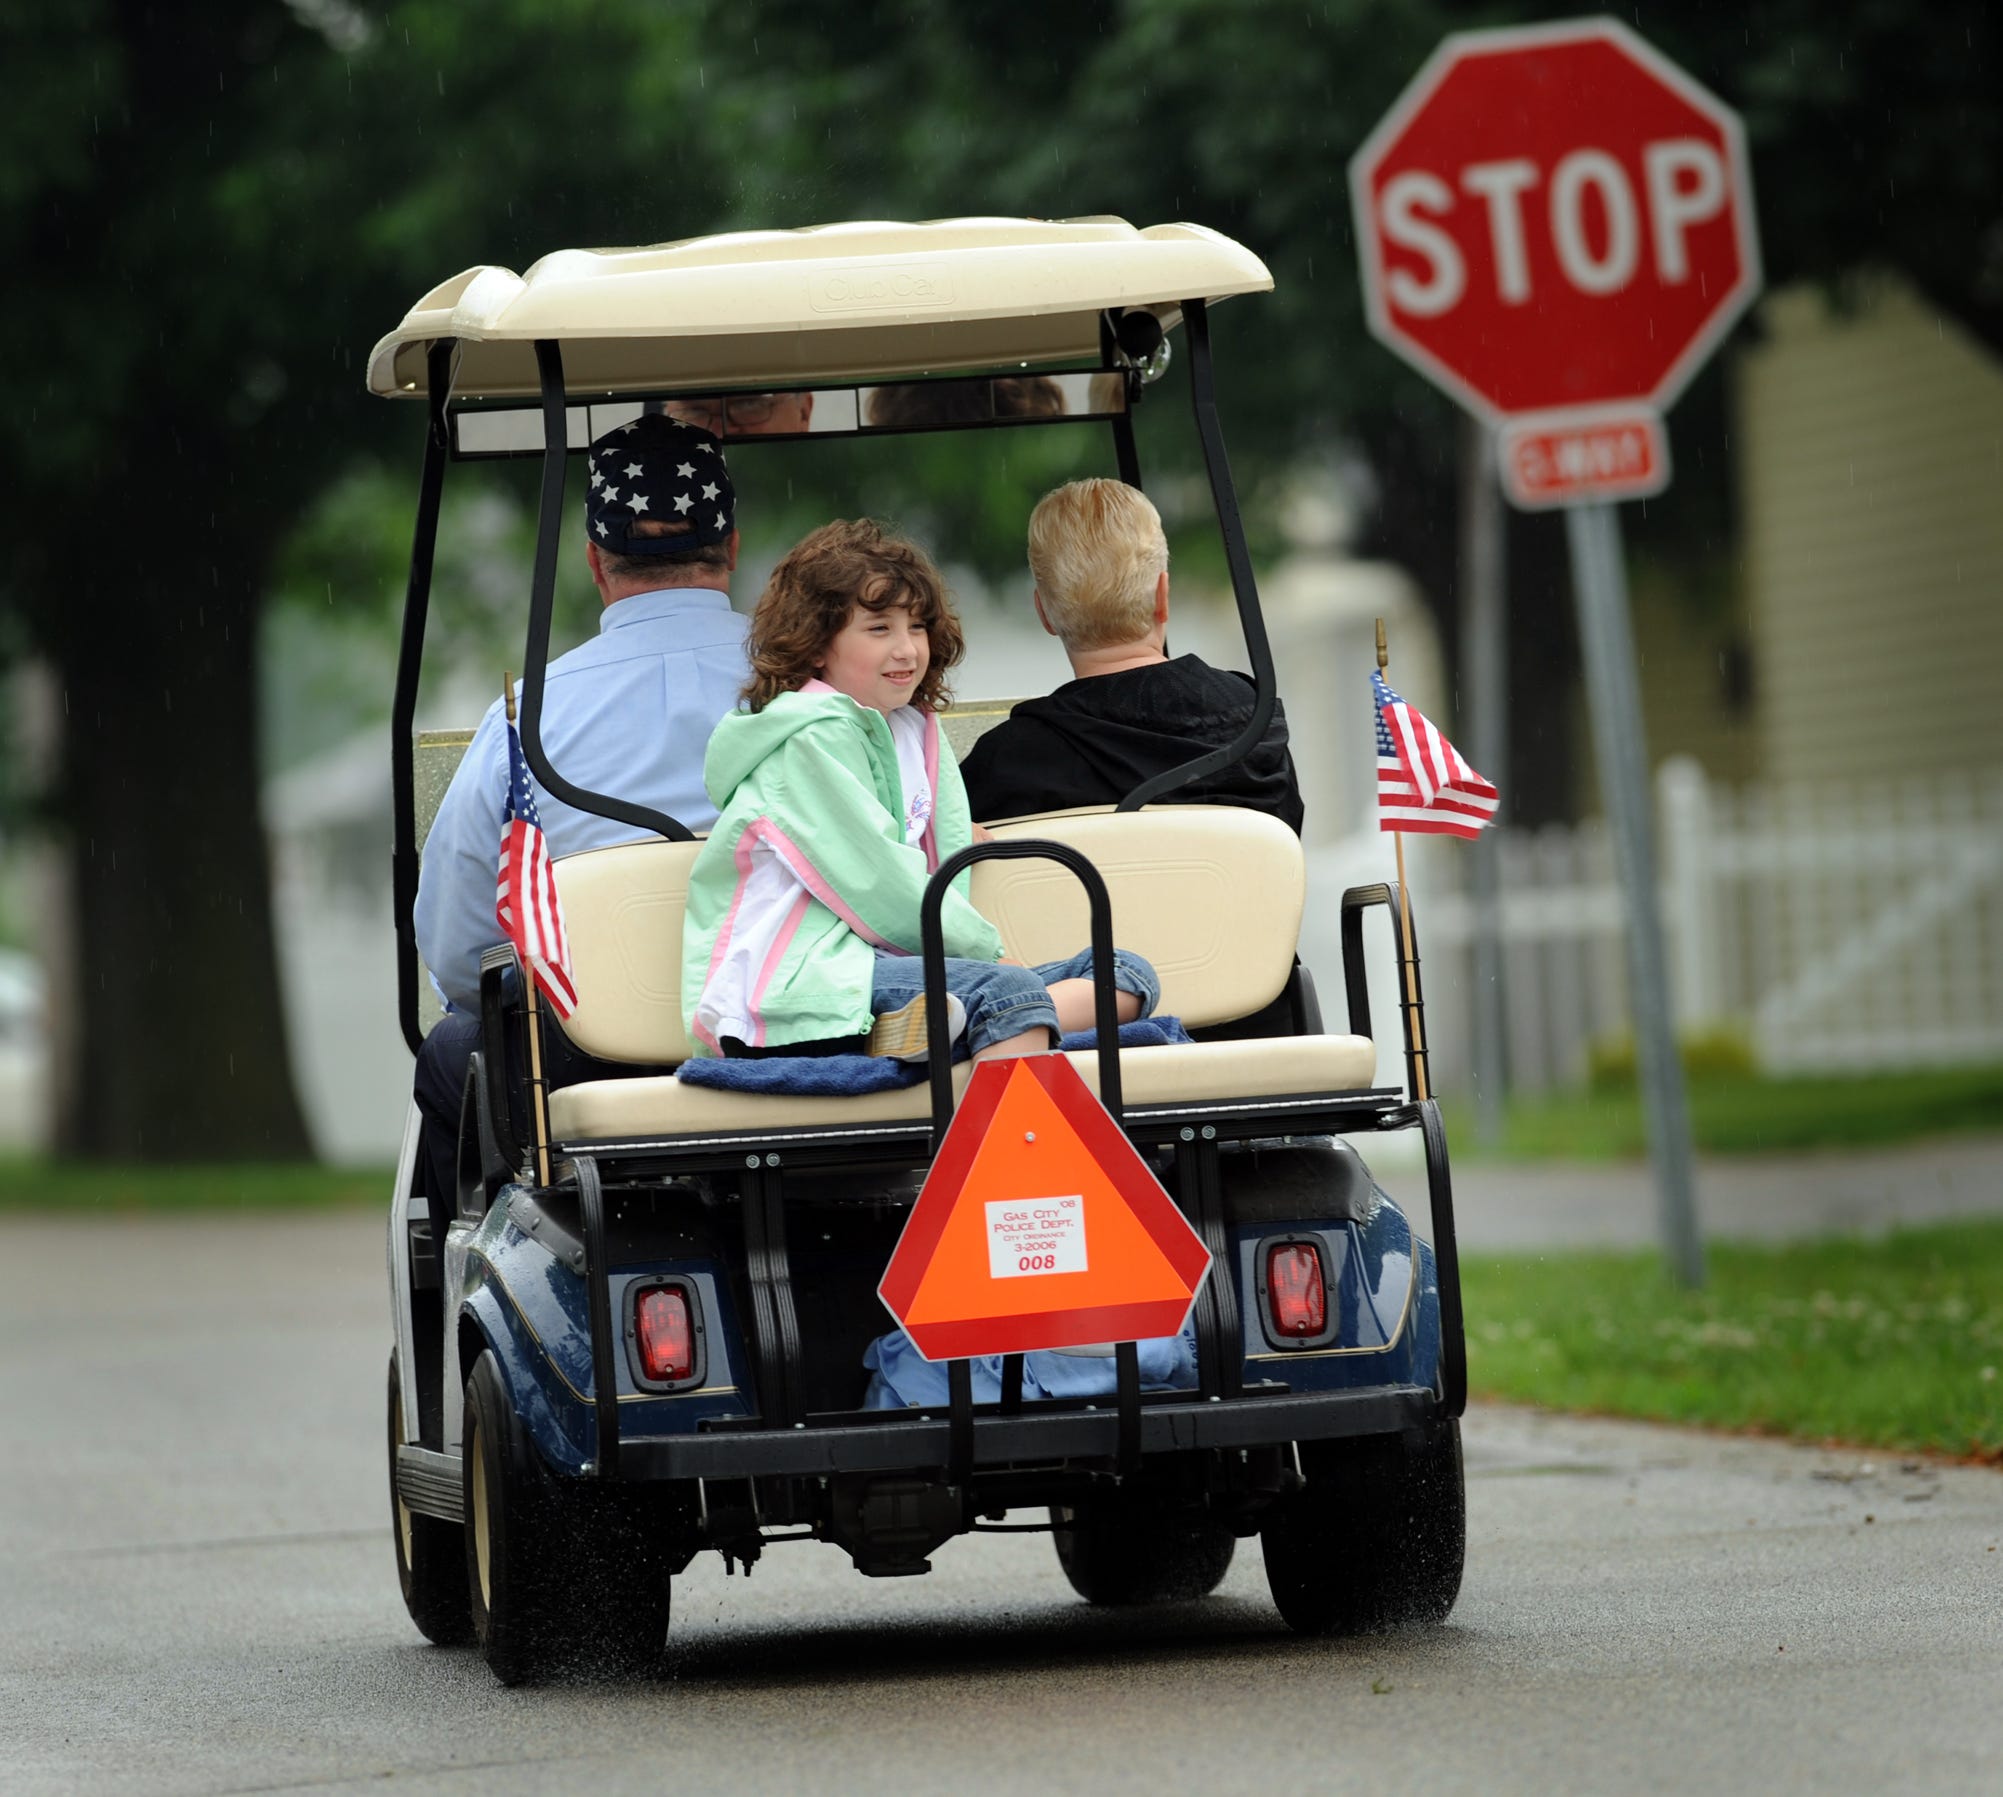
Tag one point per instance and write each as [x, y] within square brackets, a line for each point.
[1871, 465]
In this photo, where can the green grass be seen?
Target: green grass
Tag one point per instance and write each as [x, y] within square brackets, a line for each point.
[1750, 1115]
[66, 1187]
[1894, 1342]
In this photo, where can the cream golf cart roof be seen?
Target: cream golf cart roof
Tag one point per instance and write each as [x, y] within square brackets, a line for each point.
[788, 308]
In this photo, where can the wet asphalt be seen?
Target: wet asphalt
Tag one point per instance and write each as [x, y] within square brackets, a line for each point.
[197, 1595]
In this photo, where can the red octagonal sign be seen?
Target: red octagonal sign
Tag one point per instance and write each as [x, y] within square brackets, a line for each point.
[1555, 217]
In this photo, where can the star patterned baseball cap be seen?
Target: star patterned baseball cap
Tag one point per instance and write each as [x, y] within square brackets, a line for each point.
[658, 469]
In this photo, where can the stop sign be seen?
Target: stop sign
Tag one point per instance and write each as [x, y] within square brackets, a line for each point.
[1554, 218]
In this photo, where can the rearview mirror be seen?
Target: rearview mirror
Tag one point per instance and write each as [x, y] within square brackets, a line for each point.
[935, 405]
[1011, 399]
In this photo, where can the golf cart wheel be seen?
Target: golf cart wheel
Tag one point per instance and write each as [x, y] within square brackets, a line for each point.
[1377, 1537]
[1123, 1549]
[509, 1536]
[430, 1552]
[558, 1577]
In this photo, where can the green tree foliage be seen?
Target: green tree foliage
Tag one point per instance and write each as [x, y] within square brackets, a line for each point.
[219, 207]
[1239, 116]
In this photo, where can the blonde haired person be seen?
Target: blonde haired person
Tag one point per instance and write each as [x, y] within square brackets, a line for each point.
[1100, 565]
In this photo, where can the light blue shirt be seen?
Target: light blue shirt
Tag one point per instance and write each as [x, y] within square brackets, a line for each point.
[627, 714]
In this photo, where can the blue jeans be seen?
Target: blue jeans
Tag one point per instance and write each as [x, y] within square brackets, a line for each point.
[1004, 1001]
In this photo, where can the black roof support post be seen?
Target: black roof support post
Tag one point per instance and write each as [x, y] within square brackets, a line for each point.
[1129, 455]
[403, 707]
[535, 658]
[1203, 398]
[1123, 421]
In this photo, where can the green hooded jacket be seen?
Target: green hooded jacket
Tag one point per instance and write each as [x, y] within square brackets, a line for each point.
[807, 873]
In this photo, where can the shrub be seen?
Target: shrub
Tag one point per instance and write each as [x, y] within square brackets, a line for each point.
[1721, 1053]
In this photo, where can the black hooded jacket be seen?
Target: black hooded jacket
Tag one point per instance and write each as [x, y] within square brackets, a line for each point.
[1092, 741]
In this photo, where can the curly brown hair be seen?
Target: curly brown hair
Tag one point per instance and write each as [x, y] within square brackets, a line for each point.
[814, 591]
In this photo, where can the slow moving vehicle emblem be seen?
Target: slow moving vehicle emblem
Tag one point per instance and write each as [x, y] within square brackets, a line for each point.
[1039, 1226]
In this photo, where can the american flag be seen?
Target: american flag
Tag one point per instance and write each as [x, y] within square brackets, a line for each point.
[1423, 785]
[525, 902]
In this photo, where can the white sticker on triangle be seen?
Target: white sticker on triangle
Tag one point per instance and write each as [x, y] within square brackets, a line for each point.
[1033, 1236]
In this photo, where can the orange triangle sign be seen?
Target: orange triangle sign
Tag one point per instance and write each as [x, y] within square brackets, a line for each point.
[1039, 1226]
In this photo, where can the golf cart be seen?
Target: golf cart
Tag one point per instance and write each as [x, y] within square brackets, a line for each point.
[635, 1331]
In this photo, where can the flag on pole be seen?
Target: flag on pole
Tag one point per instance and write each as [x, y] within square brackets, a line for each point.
[1423, 785]
[525, 901]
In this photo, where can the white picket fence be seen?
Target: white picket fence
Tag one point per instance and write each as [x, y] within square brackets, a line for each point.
[1848, 927]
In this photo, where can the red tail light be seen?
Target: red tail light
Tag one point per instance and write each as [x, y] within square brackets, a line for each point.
[1296, 1290]
[666, 1334]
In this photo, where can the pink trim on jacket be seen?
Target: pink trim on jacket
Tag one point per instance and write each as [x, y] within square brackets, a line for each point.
[780, 944]
[811, 877]
[741, 856]
[929, 842]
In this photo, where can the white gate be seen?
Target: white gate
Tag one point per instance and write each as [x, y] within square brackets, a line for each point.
[1839, 928]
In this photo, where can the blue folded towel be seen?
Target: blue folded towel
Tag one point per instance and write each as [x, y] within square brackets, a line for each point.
[1150, 1032]
[847, 1075]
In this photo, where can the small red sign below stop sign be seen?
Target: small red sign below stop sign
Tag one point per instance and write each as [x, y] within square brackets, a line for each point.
[1555, 217]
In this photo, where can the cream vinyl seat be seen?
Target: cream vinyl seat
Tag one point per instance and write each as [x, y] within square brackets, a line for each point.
[1211, 895]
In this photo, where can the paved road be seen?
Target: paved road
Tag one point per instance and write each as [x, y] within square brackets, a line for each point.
[1745, 1196]
[196, 1595]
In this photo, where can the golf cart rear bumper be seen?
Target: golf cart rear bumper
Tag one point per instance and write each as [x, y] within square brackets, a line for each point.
[904, 1441]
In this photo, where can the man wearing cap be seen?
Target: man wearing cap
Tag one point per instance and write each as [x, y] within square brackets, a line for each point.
[627, 713]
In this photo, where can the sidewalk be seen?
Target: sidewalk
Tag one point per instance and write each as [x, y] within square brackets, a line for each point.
[1763, 1197]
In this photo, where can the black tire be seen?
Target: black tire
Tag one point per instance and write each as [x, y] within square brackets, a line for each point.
[559, 1579]
[1377, 1538]
[1125, 1549]
[430, 1552]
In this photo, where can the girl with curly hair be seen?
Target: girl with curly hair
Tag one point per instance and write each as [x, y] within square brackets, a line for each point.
[839, 798]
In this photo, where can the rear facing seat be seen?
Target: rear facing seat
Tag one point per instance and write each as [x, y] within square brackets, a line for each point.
[1211, 896]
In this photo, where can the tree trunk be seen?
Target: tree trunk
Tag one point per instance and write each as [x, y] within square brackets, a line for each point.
[180, 1050]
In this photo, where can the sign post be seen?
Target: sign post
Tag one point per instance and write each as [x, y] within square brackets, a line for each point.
[1556, 226]
[1485, 679]
[1599, 590]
